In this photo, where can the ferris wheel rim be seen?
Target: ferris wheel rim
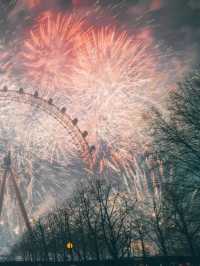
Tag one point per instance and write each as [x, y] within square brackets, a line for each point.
[59, 114]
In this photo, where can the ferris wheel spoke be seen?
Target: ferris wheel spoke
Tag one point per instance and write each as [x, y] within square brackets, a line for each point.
[20, 202]
[3, 190]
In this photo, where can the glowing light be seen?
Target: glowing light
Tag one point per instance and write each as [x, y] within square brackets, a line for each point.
[17, 230]
[69, 245]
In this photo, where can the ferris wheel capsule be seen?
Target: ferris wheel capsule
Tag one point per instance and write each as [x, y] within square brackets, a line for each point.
[5, 88]
[92, 149]
[36, 94]
[21, 90]
[50, 101]
[63, 110]
[75, 121]
[85, 134]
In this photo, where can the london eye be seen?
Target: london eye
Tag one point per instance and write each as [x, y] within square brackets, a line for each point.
[43, 153]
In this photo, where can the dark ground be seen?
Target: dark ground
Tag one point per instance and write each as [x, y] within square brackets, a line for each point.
[154, 261]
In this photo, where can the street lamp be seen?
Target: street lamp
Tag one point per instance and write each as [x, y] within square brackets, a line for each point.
[69, 246]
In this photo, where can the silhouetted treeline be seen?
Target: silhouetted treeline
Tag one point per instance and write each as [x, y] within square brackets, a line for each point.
[107, 224]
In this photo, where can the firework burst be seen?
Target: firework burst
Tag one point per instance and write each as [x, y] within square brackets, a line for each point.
[111, 70]
[48, 51]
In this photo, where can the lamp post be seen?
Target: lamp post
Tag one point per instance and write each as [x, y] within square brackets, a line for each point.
[69, 247]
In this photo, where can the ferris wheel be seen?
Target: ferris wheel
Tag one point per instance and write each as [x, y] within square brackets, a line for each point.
[27, 145]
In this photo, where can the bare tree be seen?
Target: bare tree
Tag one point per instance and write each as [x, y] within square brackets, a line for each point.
[177, 132]
[184, 216]
[177, 142]
[114, 214]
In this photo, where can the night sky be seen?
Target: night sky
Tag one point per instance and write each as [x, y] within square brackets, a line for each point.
[176, 22]
[173, 22]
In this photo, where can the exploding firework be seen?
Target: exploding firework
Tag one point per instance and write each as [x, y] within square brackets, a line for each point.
[113, 71]
[48, 51]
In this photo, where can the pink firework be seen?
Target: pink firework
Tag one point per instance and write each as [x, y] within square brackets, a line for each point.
[48, 51]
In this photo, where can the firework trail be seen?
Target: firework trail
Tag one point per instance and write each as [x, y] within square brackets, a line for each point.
[5, 62]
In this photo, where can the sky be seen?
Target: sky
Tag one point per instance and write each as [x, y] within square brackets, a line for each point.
[176, 22]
